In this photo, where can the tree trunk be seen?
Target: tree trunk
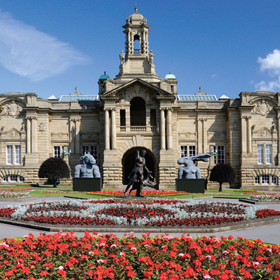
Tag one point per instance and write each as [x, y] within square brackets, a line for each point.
[220, 189]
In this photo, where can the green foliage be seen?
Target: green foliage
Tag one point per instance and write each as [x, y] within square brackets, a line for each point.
[222, 173]
[54, 168]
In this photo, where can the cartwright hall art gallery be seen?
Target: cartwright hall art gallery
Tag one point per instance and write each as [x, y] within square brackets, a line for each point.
[137, 109]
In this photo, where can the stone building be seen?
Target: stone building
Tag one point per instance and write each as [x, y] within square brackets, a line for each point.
[136, 110]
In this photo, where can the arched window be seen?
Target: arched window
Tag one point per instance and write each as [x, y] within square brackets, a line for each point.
[13, 179]
[137, 112]
[136, 44]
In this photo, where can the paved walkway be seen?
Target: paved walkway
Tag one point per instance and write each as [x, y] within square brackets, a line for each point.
[267, 233]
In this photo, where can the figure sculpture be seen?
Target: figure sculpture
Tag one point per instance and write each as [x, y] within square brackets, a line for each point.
[87, 168]
[190, 171]
[136, 177]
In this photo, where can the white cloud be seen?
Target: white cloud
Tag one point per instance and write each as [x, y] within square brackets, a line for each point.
[271, 65]
[34, 54]
[214, 75]
[268, 86]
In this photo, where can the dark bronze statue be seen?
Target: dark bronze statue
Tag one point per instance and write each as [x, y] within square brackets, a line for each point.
[136, 177]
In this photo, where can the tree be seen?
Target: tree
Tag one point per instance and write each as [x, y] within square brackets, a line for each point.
[222, 173]
[54, 169]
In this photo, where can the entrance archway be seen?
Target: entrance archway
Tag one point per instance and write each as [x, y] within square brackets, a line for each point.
[128, 163]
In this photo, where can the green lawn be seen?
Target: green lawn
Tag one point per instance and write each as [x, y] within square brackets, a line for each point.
[42, 191]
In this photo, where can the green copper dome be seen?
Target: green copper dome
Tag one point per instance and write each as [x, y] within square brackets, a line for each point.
[104, 76]
[170, 76]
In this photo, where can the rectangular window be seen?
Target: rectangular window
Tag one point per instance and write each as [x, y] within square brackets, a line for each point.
[13, 178]
[9, 154]
[257, 180]
[184, 151]
[122, 114]
[260, 154]
[153, 117]
[274, 180]
[220, 154]
[268, 153]
[56, 151]
[93, 151]
[17, 154]
[85, 149]
[265, 179]
[191, 151]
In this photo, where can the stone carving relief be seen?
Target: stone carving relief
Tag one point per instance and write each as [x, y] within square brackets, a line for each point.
[12, 133]
[11, 109]
[60, 136]
[262, 108]
[187, 135]
[42, 126]
[264, 132]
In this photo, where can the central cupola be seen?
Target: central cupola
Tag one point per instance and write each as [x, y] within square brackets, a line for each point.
[137, 61]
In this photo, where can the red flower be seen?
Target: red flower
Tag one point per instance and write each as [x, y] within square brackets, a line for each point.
[44, 273]
[131, 274]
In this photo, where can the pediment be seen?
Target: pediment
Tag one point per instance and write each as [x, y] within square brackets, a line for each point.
[12, 133]
[264, 132]
[137, 88]
[12, 107]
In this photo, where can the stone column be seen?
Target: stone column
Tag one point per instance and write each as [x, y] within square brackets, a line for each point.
[28, 135]
[199, 136]
[77, 142]
[243, 135]
[169, 129]
[148, 119]
[72, 135]
[113, 128]
[107, 130]
[249, 136]
[278, 119]
[34, 134]
[162, 129]
[204, 135]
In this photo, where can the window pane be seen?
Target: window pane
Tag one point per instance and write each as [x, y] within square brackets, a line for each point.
[257, 180]
[265, 179]
[268, 152]
[13, 178]
[274, 180]
[93, 152]
[84, 149]
[21, 179]
[191, 151]
[260, 154]
[9, 154]
[5, 179]
[56, 151]
[184, 151]
[17, 154]
[220, 154]
[122, 115]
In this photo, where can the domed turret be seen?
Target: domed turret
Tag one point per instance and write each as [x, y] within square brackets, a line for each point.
[170, 76]
[104, 76]
[136, 18]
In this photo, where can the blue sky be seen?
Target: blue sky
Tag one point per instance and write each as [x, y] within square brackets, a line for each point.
[49, 47]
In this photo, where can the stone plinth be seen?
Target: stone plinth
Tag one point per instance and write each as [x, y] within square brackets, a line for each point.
[191, 185]
[87, 184]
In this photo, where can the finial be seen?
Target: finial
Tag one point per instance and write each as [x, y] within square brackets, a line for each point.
[169, 72]
[136, 8]
[200, 89]
[104, 72]
[76, 89]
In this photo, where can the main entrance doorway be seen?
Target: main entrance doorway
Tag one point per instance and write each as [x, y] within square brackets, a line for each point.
[128, 163]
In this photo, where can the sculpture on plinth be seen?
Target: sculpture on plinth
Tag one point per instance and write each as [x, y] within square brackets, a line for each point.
[136, 177]
[87, 168]
[190, 171]
[189, 175]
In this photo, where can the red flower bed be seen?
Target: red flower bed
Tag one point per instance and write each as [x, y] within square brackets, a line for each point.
[64, 256]
[157, 213]
[145, 193]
